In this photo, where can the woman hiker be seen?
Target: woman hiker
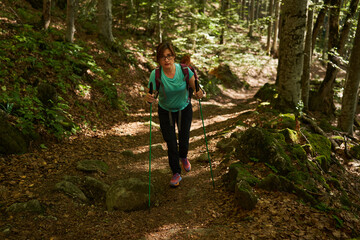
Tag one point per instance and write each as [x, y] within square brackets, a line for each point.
[174, 107]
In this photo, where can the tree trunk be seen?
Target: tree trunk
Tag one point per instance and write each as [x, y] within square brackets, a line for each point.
[252, 12]
[268, 42]
[305, 78]
[105, 20]
[243, 8]
[224, 6]
[193, 27]
[257, 12]
[70, 20]
[46, 14]
[291, 53]
[347, 25]
[336, 46]
[159, 18]
[319, 22]
[351, 91]
[274, 48]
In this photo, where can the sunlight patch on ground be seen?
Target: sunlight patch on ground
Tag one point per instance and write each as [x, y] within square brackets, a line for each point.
[131, 128]
[236, 94]
[219, 118]
[164, 232]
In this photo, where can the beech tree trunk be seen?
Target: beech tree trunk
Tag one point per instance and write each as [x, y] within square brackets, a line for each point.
[70, 20]
[268, 42]
[319, 22]
[305, 78]
[336, 45]
[291, 53]
[274, 48]
[105, 20]
[351, 91]
[46, 14]
[252, 13]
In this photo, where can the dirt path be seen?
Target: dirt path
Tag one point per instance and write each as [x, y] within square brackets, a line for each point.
[194, 210]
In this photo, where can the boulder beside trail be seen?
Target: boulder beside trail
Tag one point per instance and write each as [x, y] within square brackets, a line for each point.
[30, 206]
[12, 141]
[128, 195]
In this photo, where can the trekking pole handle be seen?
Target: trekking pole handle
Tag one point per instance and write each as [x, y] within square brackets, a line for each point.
[197, 87]
[151, 88]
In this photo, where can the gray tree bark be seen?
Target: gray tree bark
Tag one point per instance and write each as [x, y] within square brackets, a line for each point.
[305, 78]
[268, 42]
[105, 20]
[291, 53]
[46, 14]
[351, 91]
[70, 20]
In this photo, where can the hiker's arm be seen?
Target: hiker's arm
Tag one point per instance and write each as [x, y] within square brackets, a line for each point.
[199, 94]
[150, 98]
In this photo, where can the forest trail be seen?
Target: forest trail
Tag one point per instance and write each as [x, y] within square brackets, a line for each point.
[194, 210]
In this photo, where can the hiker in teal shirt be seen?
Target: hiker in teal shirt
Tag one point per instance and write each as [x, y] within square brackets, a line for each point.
[172, 86]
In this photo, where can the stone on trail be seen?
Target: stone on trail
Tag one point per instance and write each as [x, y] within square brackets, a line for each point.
[71, 189]
[245, 197]
[128, 195]
[30, 206]
[92, 166]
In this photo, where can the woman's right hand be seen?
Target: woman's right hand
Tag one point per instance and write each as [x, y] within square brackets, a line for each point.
[150, 98]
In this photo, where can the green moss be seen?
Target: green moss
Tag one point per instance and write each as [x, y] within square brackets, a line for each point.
[325, 125]
[298, 153]
[323, 162]
[320, 144]
[298, 177]
[290, 135]
[355, 151]
[260, 144]
[344, 199]
[237, 173]
[335, 183]
[287, 120]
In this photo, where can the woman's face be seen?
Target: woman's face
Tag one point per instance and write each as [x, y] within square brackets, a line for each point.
[167, 59]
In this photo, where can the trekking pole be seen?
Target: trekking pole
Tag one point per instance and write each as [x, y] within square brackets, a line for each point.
[207, 149]
[150, 91]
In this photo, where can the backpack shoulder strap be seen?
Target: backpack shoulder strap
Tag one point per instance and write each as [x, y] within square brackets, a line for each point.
[193, 70]
[185, 70]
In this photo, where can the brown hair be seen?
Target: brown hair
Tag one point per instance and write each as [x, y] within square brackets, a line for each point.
[161, 49]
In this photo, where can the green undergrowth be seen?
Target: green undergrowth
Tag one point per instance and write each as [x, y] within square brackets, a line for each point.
[30, 58]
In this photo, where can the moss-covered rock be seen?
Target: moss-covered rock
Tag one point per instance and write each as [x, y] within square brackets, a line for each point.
[30, 206]
[355, 151]
[274, 182]
[320, 144]
[237, 173]
[245, 196]
[92, 166]
[298, 153]
[227, 144]
[287, 120]
[291, 136]
[259, 143]
[298, 177]
[72, 190]
[267, 92]
[323, 162]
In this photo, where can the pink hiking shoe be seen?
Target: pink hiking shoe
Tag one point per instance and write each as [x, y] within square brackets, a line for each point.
[175, 180]
[185, 164]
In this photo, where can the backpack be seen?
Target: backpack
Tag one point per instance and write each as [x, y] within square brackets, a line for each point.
[185, 70]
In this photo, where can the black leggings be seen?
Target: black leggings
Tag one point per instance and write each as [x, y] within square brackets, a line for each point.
[183, 120]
